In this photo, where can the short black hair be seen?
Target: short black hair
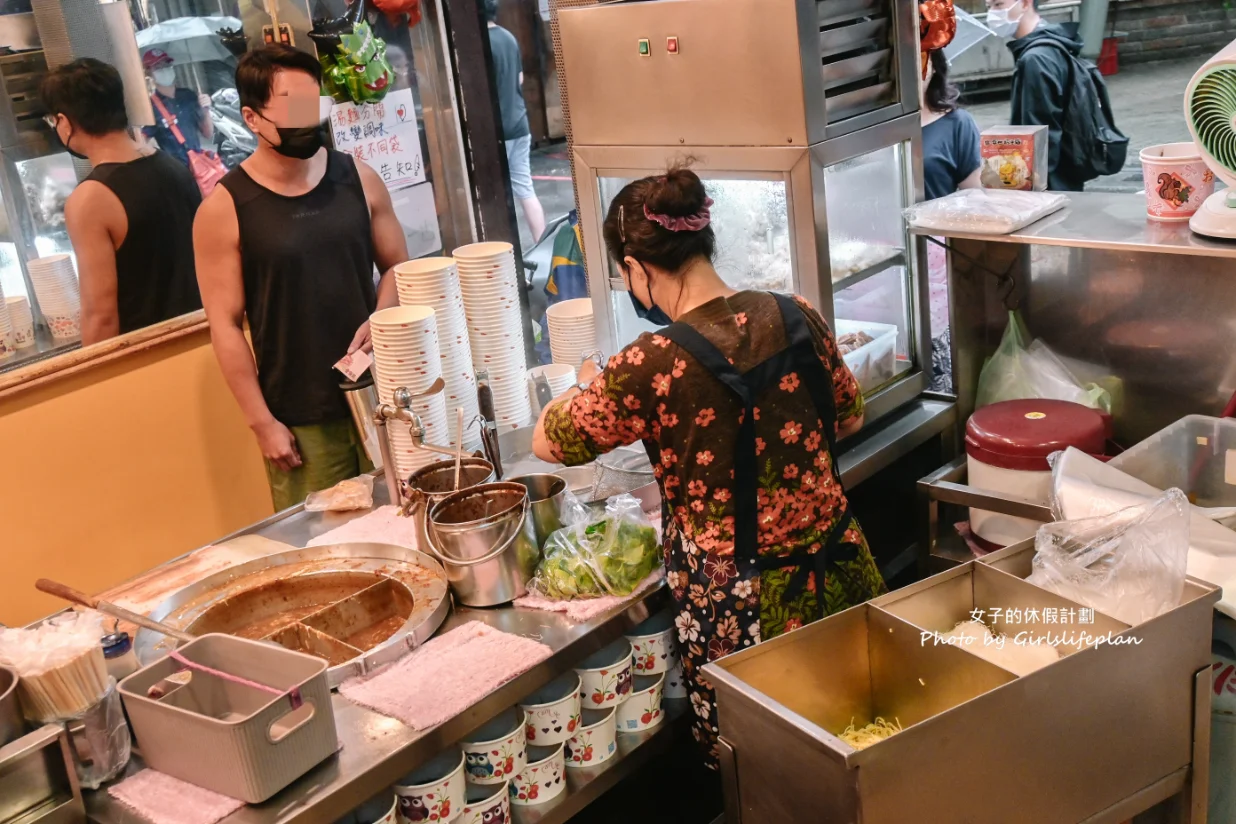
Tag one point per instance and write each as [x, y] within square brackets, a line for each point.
[255, 74]
[89, 93]
[491, 11]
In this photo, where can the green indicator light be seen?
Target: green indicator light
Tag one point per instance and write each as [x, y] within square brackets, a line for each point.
[645, 48]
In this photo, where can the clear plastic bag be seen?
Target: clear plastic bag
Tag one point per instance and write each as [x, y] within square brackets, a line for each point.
[354, 493]
[598, 555]
[984, 211]
[1129, 564]
[1021, 368]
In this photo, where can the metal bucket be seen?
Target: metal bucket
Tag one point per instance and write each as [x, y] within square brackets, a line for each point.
[11, 724]
[486, 541]
[437, 480]
[362, 398]
[546, 497]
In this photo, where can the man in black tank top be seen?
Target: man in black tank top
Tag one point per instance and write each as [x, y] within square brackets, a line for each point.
[289, 241]
[130, 221]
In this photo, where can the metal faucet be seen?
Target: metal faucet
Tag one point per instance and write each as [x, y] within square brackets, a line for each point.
[400, 409]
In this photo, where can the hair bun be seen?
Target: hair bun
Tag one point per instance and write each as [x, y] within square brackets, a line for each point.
[680, 193]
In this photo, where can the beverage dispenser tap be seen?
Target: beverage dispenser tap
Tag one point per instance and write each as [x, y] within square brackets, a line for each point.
[400, 410]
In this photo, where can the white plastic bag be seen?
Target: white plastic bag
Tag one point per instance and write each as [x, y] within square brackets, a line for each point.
[354, 493]
[1129, 564]
[1024, 369]
[984, 211]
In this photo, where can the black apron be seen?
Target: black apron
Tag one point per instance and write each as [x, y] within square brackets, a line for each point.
[799, 355]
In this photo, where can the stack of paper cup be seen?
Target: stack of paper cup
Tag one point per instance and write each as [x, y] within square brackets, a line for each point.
[22, 320]
[434, 282]
[405, 354]
[8, 338]
[572, 331]
[55, 284]
[559, 376]
[490, 290]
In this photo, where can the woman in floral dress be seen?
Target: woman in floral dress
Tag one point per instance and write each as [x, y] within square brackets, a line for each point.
[739, 401]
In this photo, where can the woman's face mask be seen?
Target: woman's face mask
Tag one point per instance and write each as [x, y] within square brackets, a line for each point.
[1004, 22]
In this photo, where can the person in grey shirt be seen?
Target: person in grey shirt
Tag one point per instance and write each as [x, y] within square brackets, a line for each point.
[509, 80]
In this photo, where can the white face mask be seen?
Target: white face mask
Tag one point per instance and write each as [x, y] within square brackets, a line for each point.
[1002, 21]
[164, 77]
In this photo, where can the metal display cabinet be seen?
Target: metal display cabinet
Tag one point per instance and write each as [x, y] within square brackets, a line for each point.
[810, 156]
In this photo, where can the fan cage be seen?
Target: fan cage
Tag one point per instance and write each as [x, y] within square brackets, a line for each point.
[1212, 117]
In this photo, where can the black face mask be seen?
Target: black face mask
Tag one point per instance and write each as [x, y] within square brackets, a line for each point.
[68, 149]
[299, 142]
[656, 315]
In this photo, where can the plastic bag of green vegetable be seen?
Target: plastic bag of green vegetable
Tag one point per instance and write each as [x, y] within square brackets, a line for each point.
[593, 556]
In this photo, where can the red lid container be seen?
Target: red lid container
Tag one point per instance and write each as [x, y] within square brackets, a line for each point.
[1021, 434]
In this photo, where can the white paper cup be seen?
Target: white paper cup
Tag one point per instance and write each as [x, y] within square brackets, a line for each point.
[642, 711]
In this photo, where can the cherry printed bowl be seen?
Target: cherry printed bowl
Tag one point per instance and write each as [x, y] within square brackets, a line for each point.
[487, 805]
[605, 677]
[497, 750]
[552, 712]
[652, 645]
[596, 742]
[544, 779]
[642, 711]
[436, 791]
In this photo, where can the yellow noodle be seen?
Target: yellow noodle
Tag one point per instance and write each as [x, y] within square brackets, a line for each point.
[873, 733]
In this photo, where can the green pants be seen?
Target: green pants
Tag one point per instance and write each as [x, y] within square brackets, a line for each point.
[329, 453]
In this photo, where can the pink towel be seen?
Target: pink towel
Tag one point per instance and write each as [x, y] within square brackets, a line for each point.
[382, 526]
[586, 609]
[161, 799]
[447, 675]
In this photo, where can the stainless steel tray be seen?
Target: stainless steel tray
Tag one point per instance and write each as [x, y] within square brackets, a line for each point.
[423, 576]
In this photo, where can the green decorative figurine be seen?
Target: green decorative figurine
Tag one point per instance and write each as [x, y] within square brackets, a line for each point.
[360, 72]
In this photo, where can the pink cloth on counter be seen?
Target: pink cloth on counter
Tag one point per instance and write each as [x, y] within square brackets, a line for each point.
[382, 526]
[161, 799]
[585, 609]
[447, 675]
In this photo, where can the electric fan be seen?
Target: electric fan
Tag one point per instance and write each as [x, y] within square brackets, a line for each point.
[1210, 111]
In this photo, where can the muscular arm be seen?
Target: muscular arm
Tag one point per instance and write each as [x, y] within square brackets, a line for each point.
[93, 215]
[216, 244]
[390, 245]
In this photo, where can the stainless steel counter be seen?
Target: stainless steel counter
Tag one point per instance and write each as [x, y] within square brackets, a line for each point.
[377, 750]
[1103, 220]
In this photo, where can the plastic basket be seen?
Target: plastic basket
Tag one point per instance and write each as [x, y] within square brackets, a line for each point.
[1196, 454]
[874, 363]
[224, 735]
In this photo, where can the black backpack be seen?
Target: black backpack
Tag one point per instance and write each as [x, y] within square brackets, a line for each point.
[1090, 144]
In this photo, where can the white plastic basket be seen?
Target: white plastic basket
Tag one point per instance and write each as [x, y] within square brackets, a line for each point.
[876, 362]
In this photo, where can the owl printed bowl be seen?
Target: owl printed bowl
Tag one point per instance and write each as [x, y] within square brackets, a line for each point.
[596, 742]
[497, 750]
[605, 677]
[487, 805]
[543, 779]
[552, 712]
[436, 791]
[652, 644]
[642, 711]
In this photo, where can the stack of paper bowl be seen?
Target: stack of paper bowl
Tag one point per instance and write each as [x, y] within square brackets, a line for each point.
[559, 376]
[8, 336]
[490, 290]
[22, 320]
[405, 354]
[55, 284]
[434, 282]
[572, 332]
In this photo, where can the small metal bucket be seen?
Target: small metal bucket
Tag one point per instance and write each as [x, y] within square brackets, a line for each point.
[362, 398]
[546, 497]
[437, 480]
[486, 542]
[12, 726]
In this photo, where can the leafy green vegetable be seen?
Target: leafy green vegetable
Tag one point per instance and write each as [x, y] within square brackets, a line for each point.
[610, 556]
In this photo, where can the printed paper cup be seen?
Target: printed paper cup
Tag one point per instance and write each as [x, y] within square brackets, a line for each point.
[596, 742]
[487, 805]
[552, 712]
[544, 779]
[642, 711]
[436, 791]
[1176, 179]
[675, 681]
[605, 677]
[652, 644]
[498, 750]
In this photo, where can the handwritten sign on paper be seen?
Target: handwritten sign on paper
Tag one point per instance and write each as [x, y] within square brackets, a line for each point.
[383, 135]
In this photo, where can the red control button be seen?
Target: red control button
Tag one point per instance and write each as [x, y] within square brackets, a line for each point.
[671, 45]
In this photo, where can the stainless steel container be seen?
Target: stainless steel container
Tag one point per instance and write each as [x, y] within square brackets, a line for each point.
[362, 397]
[1099, 735]
[437, 480]
[11, 724]
[499, 575]
[546, 498]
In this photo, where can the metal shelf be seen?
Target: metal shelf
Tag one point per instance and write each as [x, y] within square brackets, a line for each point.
[586, 786]
[896, 259]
